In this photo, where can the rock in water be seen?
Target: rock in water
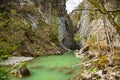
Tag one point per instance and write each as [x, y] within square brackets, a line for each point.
[24, 72]
[20, 71]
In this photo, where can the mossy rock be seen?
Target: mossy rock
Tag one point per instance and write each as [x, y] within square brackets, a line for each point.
[20, 71]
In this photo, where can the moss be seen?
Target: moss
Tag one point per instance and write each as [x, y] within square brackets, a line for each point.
[117, 18]
[20, 65]
[101, 62]
[5, 52]
[92, 70]
[16, 30]
[9, 29]
[91, 42]
[75, 17]
[78, 37]
[16, 34]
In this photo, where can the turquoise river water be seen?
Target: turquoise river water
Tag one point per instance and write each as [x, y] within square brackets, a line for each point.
[53, 67]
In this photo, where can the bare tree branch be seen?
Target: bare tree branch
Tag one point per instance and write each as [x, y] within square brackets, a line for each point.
[93, 10]
[106, 13]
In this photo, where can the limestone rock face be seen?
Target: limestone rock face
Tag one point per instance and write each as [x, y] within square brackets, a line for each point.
[34, 26]
[96, 27]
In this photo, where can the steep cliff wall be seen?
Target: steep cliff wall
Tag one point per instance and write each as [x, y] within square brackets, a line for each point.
[35, 27]
[99, 23]
[99, 36]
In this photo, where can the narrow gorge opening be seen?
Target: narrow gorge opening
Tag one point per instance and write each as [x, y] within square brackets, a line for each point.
[60, 39]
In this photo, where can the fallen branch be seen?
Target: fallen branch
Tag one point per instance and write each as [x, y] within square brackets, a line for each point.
[94, 59]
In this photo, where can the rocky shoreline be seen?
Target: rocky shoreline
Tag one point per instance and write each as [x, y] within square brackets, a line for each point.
[15, 60]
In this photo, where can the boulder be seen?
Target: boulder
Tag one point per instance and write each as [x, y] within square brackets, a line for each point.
[21, 72]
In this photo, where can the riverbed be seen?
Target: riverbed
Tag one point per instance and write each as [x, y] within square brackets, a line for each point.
[55, 67]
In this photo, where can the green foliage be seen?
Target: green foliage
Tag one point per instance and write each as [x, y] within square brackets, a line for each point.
[92, 69]
[4, 56]
[117, 18]
[55, 14]
[4, 75]
[18, 66]
[3, 20]
[4, 53]
[78, 37]
[91, 41]
[101, 62]
[54, 27]
[54, 33]
[40, 23]
[81, 5]
[11, 29]
[76, 17]
[16, 34]
[94, 15]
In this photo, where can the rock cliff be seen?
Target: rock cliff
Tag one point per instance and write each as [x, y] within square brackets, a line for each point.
[99, 23]
[35, 26]
[98, 33]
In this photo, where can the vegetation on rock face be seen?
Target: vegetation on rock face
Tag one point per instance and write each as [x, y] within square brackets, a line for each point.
[32, 27]
[7, 38]
[104, 11]
[19, 37]
[75, 17]
[36, 28]
[103, 52]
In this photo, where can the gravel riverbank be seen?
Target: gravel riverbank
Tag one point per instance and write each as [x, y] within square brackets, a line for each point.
[14, 60]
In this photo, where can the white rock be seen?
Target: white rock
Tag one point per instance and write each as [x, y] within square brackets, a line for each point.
[14, 60]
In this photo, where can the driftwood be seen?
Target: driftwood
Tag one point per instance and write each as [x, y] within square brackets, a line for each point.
[84, 63]
[82, 50]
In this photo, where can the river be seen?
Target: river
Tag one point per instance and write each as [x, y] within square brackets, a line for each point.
[53, 67]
